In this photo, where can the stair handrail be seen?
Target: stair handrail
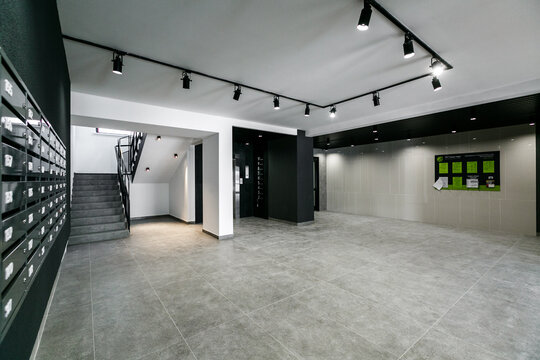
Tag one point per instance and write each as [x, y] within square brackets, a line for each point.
[135, 151]
[123, 172]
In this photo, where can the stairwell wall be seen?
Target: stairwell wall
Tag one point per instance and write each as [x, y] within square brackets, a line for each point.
[182, 188]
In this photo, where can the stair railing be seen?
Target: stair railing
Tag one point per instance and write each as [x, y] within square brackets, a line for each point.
[124, 172]
[135, 150]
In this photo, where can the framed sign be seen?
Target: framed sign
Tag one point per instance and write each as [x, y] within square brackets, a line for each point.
[472, 171]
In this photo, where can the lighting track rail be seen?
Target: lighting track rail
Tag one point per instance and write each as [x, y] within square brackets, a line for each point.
[237, 85]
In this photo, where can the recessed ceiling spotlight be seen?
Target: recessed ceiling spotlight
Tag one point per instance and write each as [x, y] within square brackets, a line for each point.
[473, 118]
[531, 124]
[147, 169]
[408, 139]
[175, 156]
[352, 145]
[437, 67]
[307, 111]
[454, 131]
[327, 141]
[436, 84]
[365, 16]
[333, 111]
[376, 99]
[186, 81]
[260, 135]
[376, 139]
[237, 92]
[408, 47]
[158, 138]
[247, 144]
[474, 138]
[118, 62]
[276, 102]
[374, 129]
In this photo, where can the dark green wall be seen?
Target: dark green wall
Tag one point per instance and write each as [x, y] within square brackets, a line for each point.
[30, 35]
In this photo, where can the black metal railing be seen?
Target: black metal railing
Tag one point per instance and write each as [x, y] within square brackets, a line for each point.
[135, 150]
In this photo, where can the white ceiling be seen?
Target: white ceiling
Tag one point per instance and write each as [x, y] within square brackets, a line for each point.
[309, 49]
[159, 157]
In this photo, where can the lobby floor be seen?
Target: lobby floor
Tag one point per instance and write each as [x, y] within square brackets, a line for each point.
[346, 287]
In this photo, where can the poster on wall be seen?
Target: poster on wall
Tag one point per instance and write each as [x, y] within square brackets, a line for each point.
[472, 171]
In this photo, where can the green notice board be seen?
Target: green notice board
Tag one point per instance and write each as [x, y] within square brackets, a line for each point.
[469, 171]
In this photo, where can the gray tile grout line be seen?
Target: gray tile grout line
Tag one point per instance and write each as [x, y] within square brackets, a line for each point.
[160, 301]
[458, 300]
[92, 302]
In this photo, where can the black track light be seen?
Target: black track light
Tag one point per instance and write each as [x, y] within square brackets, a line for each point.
[186, 81]
[408, 47]
[307, 111]
[376, 99]
[118, 63]
[436, 84]
[237, 92]
[375, 129]
[276, 102]
[333, 111]
[365, 16]
[436, 67]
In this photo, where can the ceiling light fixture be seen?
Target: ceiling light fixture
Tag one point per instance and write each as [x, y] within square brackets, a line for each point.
[376, 99]
[147, 169]
[327, 141]
[158, 138]
[531, 124]
[176, 156]
[333, 111]
[186, 81]
[408, 47]
[376, 139]
[365, 16]
[436, 84]
[374, 129]
[276, 102]
[260, 135]
[454, 131]
[307, 111]
[118, 63]
[437, 68]
[237, 92]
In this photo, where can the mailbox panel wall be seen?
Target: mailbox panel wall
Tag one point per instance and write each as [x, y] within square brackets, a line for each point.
[30, 34]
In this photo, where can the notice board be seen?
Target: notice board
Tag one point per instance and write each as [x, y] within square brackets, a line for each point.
[472, 171]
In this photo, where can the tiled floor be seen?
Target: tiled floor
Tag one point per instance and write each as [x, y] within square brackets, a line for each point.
[346, 287]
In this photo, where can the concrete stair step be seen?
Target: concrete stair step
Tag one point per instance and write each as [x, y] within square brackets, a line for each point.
[94, 199]
[100, 236]
[78, 188]
[106, 219]
[78, 182]
[97, 228]
[75, 214]
[88, 176]
[90, 193]
[96, 205]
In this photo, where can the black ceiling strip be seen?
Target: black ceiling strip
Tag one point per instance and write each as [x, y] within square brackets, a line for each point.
[406, 30]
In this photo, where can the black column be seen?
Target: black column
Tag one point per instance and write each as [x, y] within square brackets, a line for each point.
[537, 181]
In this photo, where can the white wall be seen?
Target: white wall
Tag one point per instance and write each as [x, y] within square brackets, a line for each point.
[92, 153]
[182, 188]
[395, 179]
[87, 108]
[149, 200]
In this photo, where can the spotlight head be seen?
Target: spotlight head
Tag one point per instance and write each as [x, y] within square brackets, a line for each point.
[147, 169]
[260, 135]
[176, 156]
[365, 16]
[436, 67]
[333, 111]
[436, 84]
[276, 102]
[158, 138]
[237, 92]
[352, 145]
[374, 129]
[473, 118]
[376, 139]
[186, 81]
[376, 99]
[118, 63]
[454, 131]
[307, 111]
[408, 47]
[531, 124]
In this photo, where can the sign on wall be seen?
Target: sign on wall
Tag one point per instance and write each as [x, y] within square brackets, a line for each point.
[472, 171]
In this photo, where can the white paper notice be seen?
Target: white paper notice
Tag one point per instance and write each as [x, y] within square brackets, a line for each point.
[438, 184]
[472, 183]
[8, 160]
[444, 180]
[9, 197]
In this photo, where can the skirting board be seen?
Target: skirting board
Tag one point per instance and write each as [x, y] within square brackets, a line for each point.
[222, 237]
[292, 222]
[156, 217]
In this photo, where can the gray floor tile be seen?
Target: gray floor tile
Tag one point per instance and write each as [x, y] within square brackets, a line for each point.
[127, 328]
[195, 305]
[312, 336]
[238, 339]
[179, 351]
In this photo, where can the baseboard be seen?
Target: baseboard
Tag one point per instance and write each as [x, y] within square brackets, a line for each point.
[292, 222]
[160, 217]
[182, 220]
[222, 237]
[49, 303]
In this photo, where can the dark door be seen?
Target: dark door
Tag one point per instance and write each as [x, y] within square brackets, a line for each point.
[316, 183]
[198, 185]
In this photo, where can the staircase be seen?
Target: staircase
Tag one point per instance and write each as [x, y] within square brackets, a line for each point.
[96, 209]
